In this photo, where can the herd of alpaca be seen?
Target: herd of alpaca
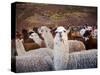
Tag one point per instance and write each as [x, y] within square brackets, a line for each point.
[89, 36]
[59, 54]
[64, 60]
[44, 31]
[33, 60]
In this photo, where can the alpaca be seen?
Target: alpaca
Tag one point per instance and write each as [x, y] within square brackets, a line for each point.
[90, 41]
[34, 36]
[33, 63]
[82, 31]
[19, 47]
[74, 45]
[94, 33]
[33, 60]
[46, 34]
[28, 43]
[64, 60]
[21, 50]
[61, 49]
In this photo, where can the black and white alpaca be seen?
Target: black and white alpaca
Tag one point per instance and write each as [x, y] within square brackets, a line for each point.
[35, 37]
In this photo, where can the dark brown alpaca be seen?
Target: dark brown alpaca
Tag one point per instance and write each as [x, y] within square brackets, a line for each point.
[90, 43]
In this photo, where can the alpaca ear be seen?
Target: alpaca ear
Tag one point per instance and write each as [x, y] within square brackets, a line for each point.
[21, 40]
[30, 37]
[48, 29]
[68, 29]
[56, 31]
[39, 30]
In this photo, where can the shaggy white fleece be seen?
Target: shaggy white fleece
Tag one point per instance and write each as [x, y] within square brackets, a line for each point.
[33, 60]
[61, 49]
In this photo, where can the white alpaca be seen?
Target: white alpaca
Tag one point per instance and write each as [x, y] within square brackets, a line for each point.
[33, 63]
[35, 38]
[61, 49]
[64, 60]
[74, 45]
[19, 47]
[33, 60]
[46, 34]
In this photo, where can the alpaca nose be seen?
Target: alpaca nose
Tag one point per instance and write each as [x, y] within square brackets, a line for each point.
[60, 34]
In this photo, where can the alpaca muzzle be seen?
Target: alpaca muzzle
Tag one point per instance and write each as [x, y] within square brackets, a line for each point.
[60, 35]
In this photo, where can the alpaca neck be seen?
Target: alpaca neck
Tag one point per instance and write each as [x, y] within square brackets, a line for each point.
[38, 41]
[48, 39]
[61, 46]
[61, 54]
[19, 47]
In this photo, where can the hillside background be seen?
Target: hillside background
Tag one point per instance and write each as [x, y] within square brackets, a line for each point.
[29, 15]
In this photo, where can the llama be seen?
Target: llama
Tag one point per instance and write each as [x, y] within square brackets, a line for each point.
[46, 34]
[64, 60]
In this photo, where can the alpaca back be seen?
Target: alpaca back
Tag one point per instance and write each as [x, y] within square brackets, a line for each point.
[75, 46]
[49, 40]
[33, 63]
[83, 59]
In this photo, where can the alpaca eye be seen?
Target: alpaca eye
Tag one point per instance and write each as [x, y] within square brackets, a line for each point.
[41, 30]
[64, 31]
[56, 32]
[31, 35]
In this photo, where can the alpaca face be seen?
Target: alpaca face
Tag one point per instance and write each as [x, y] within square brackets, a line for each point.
[94, 33]
[61, 33]
[43, 31]
[33, 35]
